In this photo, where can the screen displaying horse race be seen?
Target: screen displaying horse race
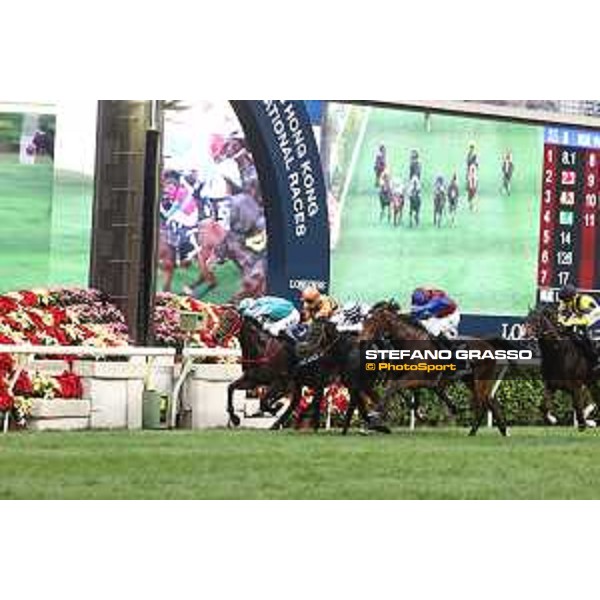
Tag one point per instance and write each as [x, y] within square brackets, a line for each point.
[438, 200]
[212, 242]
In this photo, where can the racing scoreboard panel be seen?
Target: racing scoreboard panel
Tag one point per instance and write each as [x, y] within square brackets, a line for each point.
[569, 218]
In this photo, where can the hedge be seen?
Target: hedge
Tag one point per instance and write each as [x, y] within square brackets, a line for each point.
[520, 400]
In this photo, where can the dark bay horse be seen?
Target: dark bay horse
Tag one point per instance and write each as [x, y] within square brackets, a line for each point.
[414, 196]
[385, 323]
[385, 198]
[266, 362]
[439, 204]
[508, 169]
[271, 362]
[453, 195]
[566, 364]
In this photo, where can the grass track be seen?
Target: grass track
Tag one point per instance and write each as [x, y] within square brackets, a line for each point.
[428, 464]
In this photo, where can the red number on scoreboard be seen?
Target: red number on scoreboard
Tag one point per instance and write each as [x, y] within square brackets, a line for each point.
[568, 178]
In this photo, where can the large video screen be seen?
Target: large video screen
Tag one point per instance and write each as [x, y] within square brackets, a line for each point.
[213, 242]
[443, 200]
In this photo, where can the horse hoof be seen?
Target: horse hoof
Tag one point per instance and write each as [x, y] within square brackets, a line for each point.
[551, 419]
[234, 421]
[591, 423]
[589, 410]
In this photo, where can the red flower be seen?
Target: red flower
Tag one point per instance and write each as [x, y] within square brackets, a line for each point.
[70, 385]
[6, 363]
[59, 315]
[7, 305]
[28, 298]
[23, 386]
[4, 339]
[6, 401]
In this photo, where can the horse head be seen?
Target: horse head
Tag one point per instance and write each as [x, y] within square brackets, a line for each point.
[542, 322]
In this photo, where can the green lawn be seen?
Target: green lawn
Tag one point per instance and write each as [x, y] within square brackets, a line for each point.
[430, 463]
[488, 260]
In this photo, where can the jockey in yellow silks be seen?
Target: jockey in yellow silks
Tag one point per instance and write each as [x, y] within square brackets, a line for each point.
[579, 311]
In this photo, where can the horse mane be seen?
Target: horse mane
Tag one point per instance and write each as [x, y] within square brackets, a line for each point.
[418, 327]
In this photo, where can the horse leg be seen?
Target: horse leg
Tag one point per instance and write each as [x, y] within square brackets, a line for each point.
[549, 418]
[445, 398]
[350, 410]
[243, 383]
[316, 414]
[478, 406]
[296, 396]
[578, 406]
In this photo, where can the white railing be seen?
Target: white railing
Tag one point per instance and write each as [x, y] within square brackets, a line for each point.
[190, 355]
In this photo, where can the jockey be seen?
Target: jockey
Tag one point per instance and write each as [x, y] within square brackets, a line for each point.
[577, 311]
[275, 314]
[316, 308]
[472, 158]
[380, 164]
[316, 305]
[436, 311]
[350, 317]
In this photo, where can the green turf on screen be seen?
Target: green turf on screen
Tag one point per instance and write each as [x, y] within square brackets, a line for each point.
[488, 259]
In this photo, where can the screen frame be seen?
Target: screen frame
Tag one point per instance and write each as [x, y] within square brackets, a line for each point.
[480, 325]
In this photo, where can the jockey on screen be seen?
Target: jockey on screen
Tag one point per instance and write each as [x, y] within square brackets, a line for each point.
[275, 314]
[436, 311]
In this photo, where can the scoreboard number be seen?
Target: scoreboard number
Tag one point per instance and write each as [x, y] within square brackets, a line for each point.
[591, 200]
[569, 178]
[569, 158]
[563, 278]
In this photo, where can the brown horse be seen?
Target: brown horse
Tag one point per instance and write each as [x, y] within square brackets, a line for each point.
[566, 365]
[203, 242]
[385, 323]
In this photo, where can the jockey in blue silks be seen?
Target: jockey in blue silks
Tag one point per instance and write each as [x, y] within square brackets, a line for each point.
[436, 311]
[275, 314]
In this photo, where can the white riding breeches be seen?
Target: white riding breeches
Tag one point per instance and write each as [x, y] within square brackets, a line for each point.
[446, 326]
[276, 327]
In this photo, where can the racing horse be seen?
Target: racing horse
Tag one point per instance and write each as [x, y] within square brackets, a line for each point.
[472, 185]
[508, 169]
[414, 196]
[266, 361]
[397, 204]
[244, 244]
[566, 364]
[386, 324]
[453, 195]
[439, 202]
[271, 362]
[385, 197]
